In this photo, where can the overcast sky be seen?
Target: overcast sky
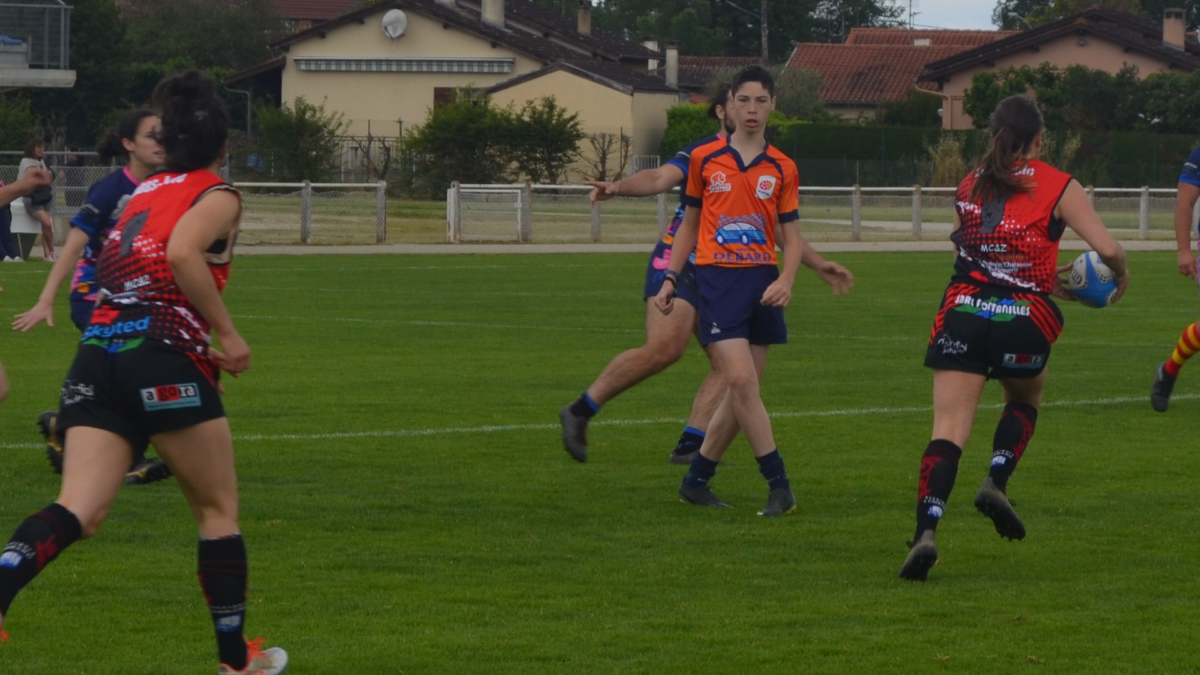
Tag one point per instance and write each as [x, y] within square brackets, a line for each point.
[953, 13]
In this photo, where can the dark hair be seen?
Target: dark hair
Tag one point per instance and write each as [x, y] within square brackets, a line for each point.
[32, 145]
[111, 146]
[753, 74]
[195, 121]
[720, 99]
[1014, 124]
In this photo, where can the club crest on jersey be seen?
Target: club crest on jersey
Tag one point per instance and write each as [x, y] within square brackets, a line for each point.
[717, 183]
[766, 187]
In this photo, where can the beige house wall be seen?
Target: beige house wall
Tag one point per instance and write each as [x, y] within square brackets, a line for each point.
[650, 120]
[390, 96]
[1096, 53]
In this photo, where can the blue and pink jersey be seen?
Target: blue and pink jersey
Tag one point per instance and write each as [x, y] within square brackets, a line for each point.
[106, 200]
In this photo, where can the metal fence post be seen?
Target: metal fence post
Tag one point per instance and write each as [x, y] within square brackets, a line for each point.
[525, 215]
[596, 223]
[916, 212]
[856, 213]
[454, 213]
[306, 212]
[381, 212]
[1091, 193]
[1144, 214]
[663, 220]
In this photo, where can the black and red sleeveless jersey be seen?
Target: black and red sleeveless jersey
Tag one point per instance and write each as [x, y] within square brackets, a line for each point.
[138, 295]
[1013, 241]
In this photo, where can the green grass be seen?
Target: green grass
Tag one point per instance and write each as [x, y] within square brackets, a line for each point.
[408, 508]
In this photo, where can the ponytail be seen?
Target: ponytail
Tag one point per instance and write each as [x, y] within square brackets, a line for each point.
[1014, 124]
[195, 121]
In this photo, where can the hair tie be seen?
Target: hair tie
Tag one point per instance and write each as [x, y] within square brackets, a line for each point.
[200, 115]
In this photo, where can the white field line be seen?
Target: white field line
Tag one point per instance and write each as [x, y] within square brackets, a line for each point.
[500, 428]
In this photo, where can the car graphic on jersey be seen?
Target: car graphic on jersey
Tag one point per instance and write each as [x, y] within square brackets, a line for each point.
[740, 232]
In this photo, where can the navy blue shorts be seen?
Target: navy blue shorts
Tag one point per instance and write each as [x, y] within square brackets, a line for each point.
[685, 285]
[81, 312]
[730, 305]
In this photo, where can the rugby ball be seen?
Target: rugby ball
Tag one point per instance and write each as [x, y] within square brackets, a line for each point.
[1091, 281]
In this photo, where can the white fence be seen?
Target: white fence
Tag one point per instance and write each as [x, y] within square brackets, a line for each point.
[275, 213]
[551, 214]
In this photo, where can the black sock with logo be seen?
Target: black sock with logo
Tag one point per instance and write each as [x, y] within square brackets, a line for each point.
[939, 468]
[223, 571]
[38, 540]
[1013, 432]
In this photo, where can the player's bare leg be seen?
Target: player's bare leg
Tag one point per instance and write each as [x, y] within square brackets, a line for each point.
[667, 337]
[704, 406]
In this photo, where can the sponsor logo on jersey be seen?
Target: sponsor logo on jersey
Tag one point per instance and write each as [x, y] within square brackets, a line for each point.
[104, 315]
[993, 308]
[115, 329]
[742, 257]
[766, 187]
[170, 396]
[159, 181]
[140, 282]
[716, 183]
[1031, 361]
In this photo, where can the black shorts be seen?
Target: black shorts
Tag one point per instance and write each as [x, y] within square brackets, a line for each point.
[136, 389]
[656, 270]
[995, 331]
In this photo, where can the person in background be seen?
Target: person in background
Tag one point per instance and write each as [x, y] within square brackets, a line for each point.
[40, 203]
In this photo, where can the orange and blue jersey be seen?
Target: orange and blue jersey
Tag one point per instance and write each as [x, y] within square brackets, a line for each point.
[740, 204]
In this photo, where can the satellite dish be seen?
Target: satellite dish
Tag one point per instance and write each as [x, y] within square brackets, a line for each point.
[394, 23]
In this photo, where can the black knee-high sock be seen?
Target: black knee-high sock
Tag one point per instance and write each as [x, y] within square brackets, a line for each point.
[223, 571]
[701, 471]
[771, 468]
[1012, 435]
[939, 467]
[37, 541]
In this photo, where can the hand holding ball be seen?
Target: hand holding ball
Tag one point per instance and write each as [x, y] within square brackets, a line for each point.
[1091, 281]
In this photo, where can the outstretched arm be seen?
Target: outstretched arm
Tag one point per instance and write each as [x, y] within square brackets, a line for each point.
[1185, 203]
[44, 309]
[641, 184]
[830, 272]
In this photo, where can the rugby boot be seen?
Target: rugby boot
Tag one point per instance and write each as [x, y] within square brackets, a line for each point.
[701, 496]
[574, 430]
[54, 437]
[922, 554]
[780, 502]
[146, 471]
[271, 661]
[1160, 392]
[993, 503]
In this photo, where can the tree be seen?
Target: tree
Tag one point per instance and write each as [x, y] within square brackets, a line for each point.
[298, 142]
[231, 34]
[1013, 14]
[686, 124]
[466, 140]
[16, 122]
[798, 92]
[603, 146]
[918, 109]
[544, 140]
[833, 19]
[99, 56]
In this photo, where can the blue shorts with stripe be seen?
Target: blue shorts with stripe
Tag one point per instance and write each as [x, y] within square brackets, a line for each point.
[731, 307]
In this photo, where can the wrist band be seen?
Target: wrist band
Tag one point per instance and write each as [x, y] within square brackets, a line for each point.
[671, 274]
[672, 280]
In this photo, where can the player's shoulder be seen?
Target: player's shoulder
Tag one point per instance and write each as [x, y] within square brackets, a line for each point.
[699, 144]
[710, 147]
[779, 156]
[1194, 157]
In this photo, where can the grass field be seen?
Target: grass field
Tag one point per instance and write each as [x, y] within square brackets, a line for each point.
[408, 507]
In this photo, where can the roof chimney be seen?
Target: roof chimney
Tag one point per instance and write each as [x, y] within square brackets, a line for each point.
[493, 12]
[672, 64]
[585, 17]
[651, 64]
[1174, 28]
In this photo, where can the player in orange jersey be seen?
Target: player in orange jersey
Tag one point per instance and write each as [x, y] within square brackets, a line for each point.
[742, 197]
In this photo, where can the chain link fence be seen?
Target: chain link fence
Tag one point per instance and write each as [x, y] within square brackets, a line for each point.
[555, 214]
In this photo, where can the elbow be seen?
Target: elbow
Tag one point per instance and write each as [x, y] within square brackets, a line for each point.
[177, 256]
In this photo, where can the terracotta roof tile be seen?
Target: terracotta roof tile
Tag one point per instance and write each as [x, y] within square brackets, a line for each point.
[696, 71]
[312, 10]
[867, 74]
[937, 37]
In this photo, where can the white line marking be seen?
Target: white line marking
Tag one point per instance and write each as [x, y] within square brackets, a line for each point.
[497, 428]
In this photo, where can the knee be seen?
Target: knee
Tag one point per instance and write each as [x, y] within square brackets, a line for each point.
[742, 384]
[664, 354]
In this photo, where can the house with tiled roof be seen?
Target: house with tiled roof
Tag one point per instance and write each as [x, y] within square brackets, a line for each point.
[304, 14]
[384, 66]
[1101, 39]
[695, 72]
[879, 65]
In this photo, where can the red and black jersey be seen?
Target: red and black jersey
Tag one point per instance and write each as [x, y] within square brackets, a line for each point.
[1011, 241]
[138, 295]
